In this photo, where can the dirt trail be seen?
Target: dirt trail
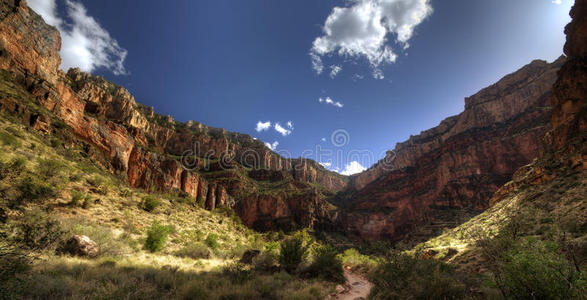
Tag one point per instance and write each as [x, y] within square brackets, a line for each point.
[356, 287]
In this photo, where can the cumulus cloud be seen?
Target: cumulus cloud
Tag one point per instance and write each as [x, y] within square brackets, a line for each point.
[290, 125]
[262, 126]
[353, 167]
[329, 100]
[363, 30]
[84, 42]
[272, 146]
[283, 131]
[334, 70]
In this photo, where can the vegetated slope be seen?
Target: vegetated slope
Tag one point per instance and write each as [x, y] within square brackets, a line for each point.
[214, 167]
[547, 198]
[447, 174]
[150, 245]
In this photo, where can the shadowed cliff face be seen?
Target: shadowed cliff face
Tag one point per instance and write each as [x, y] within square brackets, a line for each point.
[156, 153]
[565, 144]
[457, 165]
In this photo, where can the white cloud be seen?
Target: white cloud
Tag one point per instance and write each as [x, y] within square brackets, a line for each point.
[334, 70]
[363, 29]
[557, 2]
[272, 146]
[280, 129]
[326, 164]
[329, 100]
[323, 139]
[262, 126]
[353, 167]
[84, 42]
[290, 125]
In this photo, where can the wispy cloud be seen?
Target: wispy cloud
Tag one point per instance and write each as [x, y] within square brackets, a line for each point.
[262, 126]
[334, 70]
[283, 131]
[329, 100]
[272, 146]
[85, 43]
[557, 2]
[362, 30]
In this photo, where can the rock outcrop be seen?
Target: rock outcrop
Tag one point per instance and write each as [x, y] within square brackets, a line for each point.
[458, 164]
[154, 152]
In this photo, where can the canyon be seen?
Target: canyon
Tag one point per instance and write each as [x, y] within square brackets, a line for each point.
[454, 167]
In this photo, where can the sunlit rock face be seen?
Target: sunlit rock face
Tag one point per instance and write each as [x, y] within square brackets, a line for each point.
[458, 164]
[132, 141]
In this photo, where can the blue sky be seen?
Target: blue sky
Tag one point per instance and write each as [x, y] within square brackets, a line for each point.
[235, 63]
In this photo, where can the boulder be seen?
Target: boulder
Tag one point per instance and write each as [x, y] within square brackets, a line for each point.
[81, 245]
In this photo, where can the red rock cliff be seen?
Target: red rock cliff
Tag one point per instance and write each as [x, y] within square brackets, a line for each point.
[155, 152]
[460, 163]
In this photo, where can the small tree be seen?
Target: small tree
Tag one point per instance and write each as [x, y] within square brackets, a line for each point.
[292, 253]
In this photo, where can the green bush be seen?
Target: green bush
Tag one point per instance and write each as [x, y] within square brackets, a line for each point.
[327, 265]
[37, 230]
[212, 241]
[151, 203]
[34, 189]
[538, 270]
[157, 236]
[292, 253]
[9, 139]
[195, 251]
[400, 276]
[55, 142]
[76, 198]
[49, 168]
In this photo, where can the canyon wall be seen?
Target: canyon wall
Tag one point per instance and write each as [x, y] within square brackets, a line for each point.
[456, 165]
[154, 152]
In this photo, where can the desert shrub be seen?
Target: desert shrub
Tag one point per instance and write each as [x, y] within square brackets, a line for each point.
[55, 142]
[76, 198]
[88, 200]
[327, 265]
[157, 236]
[357, 261]
[13, 261]
[536, 269]
[9, 139]
[212, 241]
[292, 253]
[37, 230]
[400, 276]
[151, 203]
[34, 189]
[194, 250]
[49, 167]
